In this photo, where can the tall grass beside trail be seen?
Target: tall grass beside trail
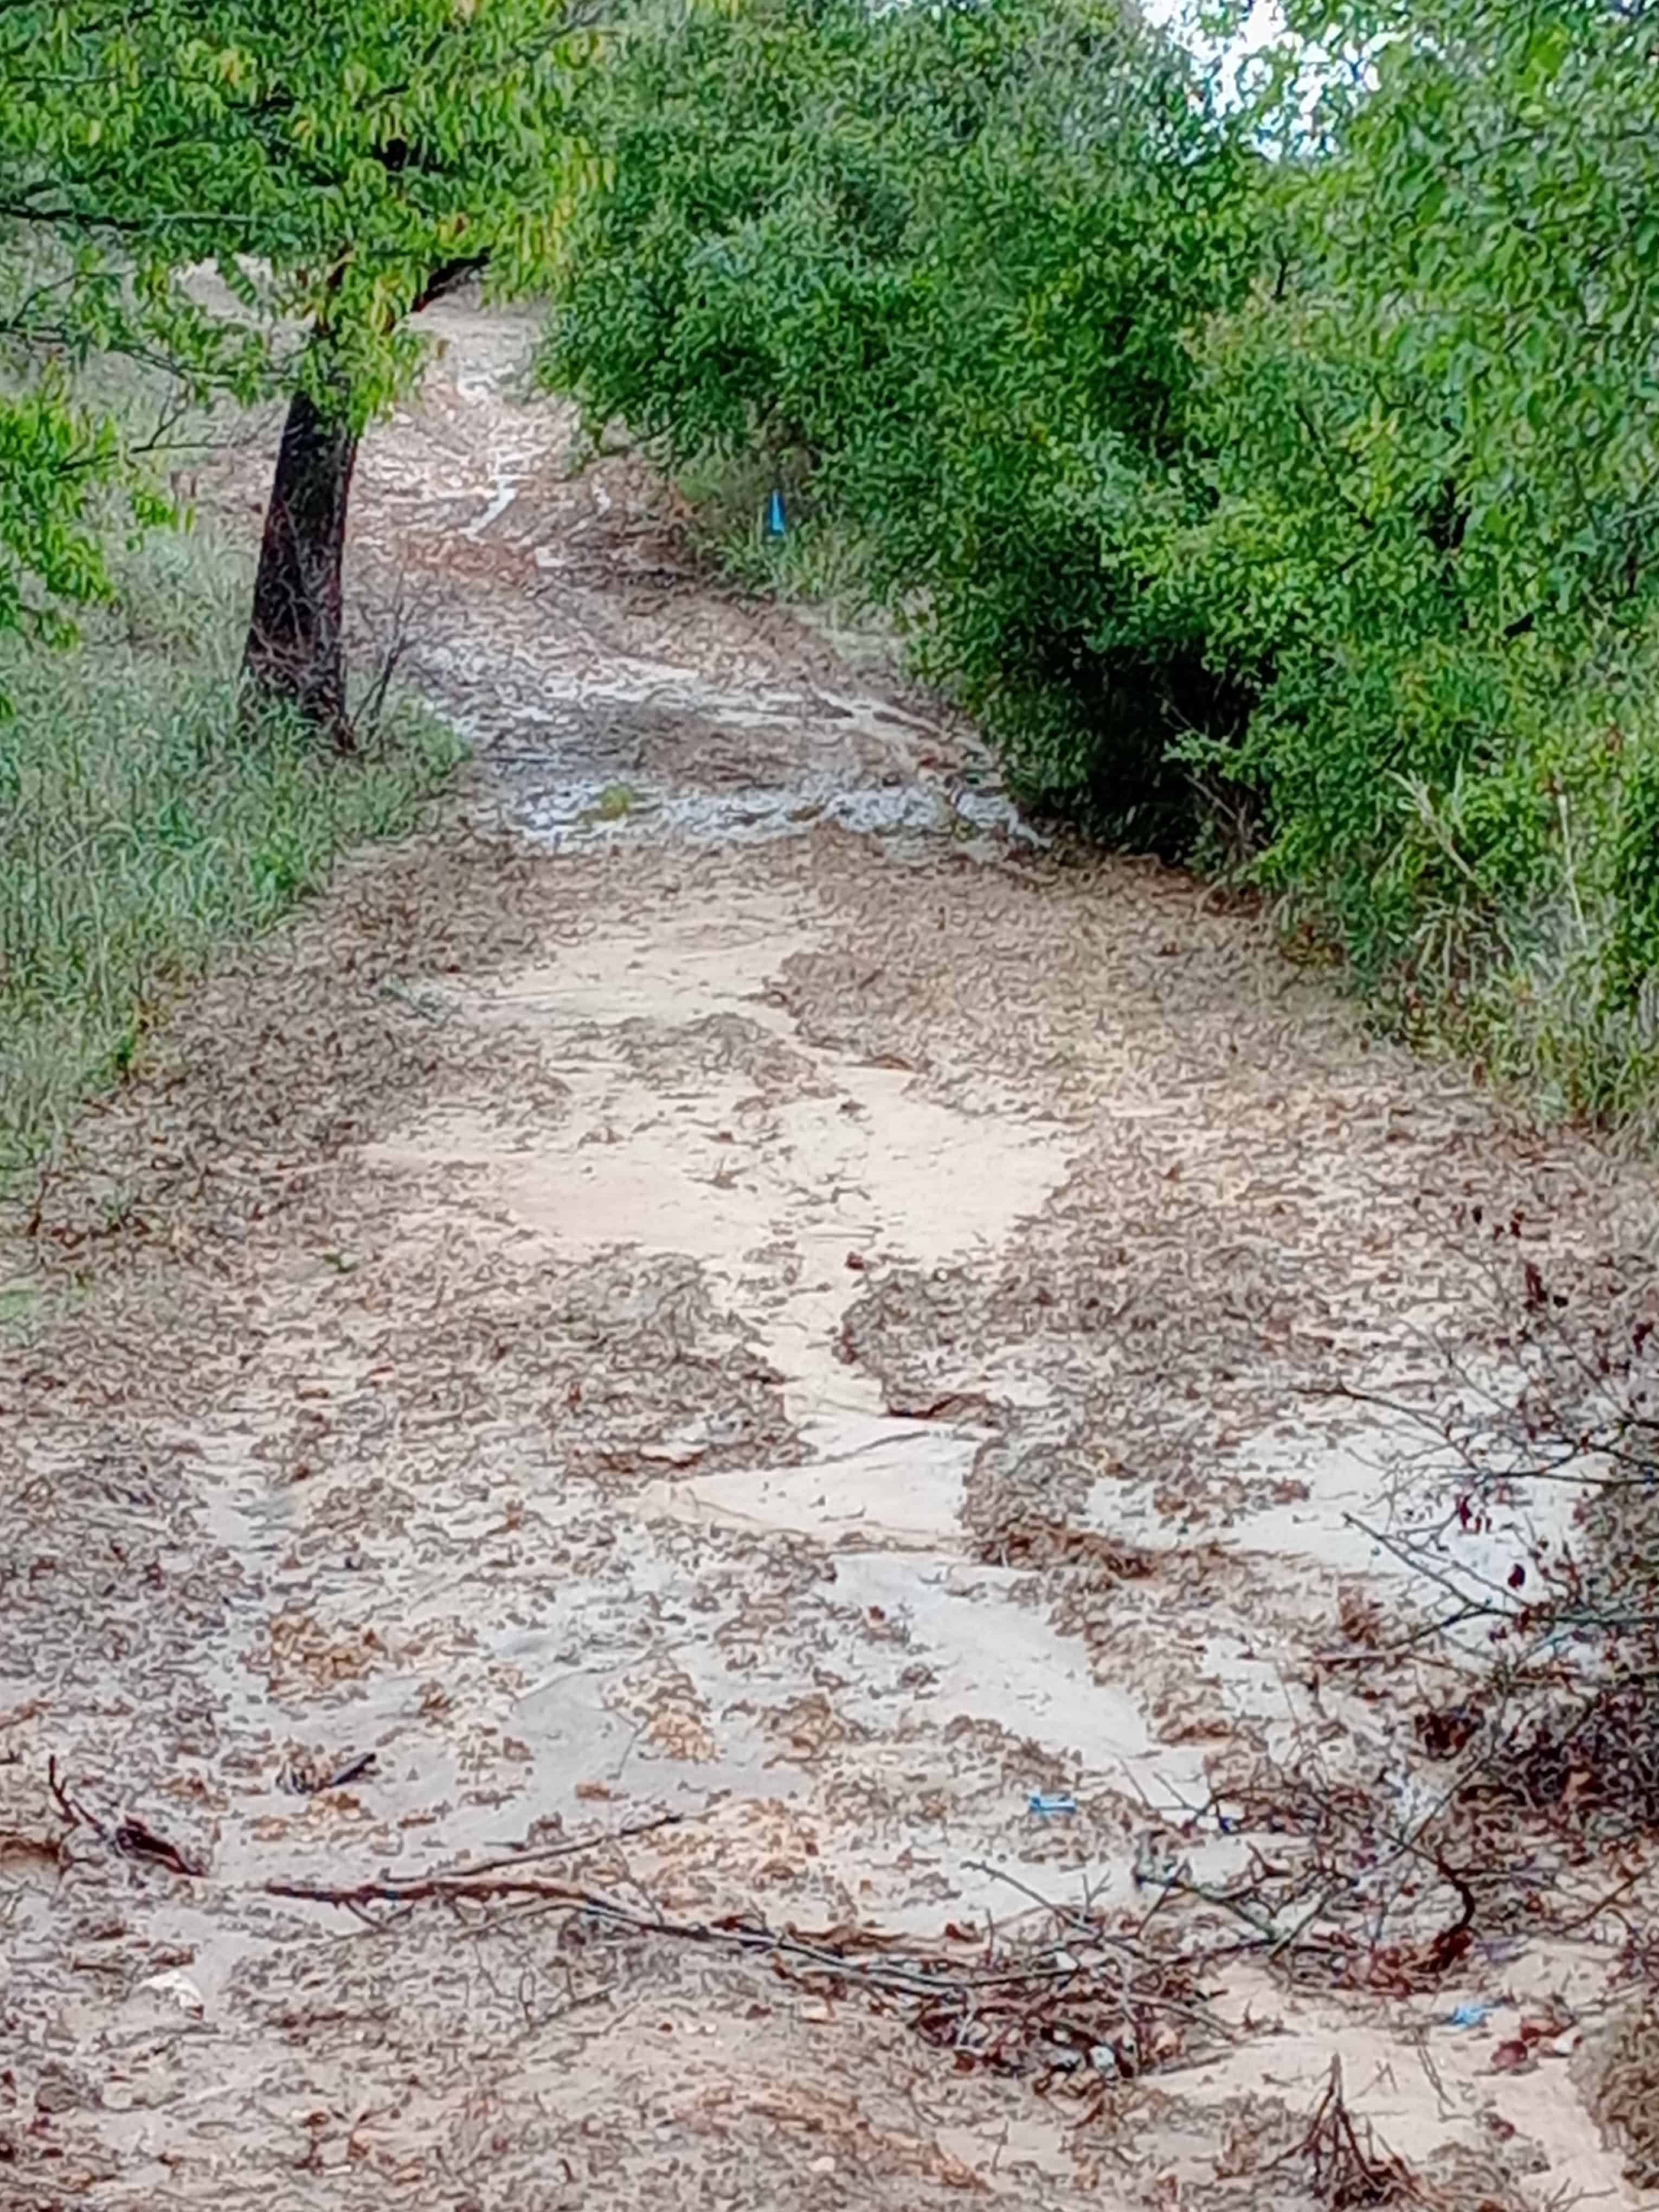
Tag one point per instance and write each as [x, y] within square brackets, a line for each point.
[817, 559]
[142, 825]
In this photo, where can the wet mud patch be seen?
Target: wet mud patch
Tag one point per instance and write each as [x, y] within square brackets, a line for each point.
[604, 1372]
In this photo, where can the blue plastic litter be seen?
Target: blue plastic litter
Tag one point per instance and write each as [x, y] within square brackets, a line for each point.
[1468, 2015]
[775, 523]
[1046, 1807]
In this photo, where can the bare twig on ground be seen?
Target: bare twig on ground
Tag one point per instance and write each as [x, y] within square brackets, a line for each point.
[565, 1847]
[1346, 2166]
[405, 616]
[133, 1837]
[305, 1781]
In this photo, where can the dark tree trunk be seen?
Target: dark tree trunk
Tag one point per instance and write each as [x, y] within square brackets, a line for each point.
[295, 651]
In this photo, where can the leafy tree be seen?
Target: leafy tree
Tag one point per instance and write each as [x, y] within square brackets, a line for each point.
[61, 456]
[54, 460]
[946, 255]
[1433, 434]
[338, 166]
[1280, 485]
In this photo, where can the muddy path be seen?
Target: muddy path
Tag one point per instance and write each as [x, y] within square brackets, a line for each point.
[728, 1281]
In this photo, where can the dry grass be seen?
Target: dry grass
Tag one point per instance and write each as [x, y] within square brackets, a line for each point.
[1623, 2064]
[140, 828]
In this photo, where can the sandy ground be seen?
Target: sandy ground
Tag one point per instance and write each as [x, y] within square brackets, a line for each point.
[728, 1280]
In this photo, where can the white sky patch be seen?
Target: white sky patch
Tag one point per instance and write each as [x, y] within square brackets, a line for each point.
[1316, 68]
[1261, 27]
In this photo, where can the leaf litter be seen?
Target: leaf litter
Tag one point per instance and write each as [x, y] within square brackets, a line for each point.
[457, 1449]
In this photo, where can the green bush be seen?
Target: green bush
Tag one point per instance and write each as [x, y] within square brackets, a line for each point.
[1280, 485]
[1429, 437]
[142, 824]
[944, 259]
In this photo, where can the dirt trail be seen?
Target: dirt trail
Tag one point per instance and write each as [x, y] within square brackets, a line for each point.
[726, 1280]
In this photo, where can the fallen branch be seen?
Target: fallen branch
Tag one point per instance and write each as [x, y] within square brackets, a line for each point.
[731, 1933]
[1092, 1933]
[1052, 2009]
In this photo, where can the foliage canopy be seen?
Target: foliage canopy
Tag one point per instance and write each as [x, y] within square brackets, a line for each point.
[1279, 482]
[329, 163]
